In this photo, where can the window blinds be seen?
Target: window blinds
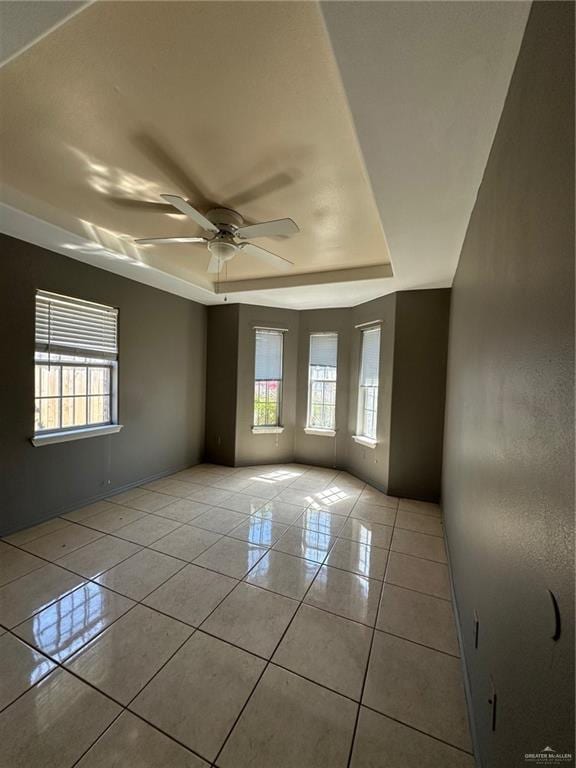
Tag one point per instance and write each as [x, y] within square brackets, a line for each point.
[370, 357]
[324, 349]
[68, 326]
[268, 355]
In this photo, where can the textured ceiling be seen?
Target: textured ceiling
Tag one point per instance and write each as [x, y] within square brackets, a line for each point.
[364, 118]
[426, 84]
[227, 104]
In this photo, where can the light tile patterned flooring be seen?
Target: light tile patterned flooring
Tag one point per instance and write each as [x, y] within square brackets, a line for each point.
[264, 617]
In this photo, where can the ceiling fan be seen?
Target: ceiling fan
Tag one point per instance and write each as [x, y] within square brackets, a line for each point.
[228, 234]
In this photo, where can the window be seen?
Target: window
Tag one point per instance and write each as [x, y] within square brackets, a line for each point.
[368, 384]
[322, 367]
[76, 363]
[268, 377]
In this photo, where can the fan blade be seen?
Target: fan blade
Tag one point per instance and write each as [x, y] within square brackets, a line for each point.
[214, 265]
[184, 207]
[269, 229]
[162, 240]
[268, 256]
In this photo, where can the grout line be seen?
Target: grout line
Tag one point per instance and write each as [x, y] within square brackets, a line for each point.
[197, 629]
[26, 643]
[419, 591]
[269, 661]
[269, 548]
[418, 730]
[104, 533]
[368, 658]
[411, 530]
[93, 580]
[192, 562]
[418, 557]
[301, 602]
[415, 642]
[124, 707]
[105, 731]
[11, 581]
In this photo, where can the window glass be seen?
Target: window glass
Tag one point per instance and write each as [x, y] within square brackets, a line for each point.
[268, 377]
[76, 362]
[368, 383]
[322, 374]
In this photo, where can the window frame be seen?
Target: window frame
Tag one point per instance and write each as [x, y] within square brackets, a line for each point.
[364, 390]
[112, 368]
[77, 358]
[311, 428]
[277, 426]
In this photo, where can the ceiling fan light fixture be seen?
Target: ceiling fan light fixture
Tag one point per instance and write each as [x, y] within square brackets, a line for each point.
[223, 250]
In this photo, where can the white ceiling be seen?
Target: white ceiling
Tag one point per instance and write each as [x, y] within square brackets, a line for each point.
[425, 82]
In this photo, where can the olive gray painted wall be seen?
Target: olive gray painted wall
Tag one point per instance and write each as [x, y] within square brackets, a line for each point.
[508, 481]
[265, 449]
[371, 464]
[161, 388]
[222, 373]
[319, 449]
[418, 391]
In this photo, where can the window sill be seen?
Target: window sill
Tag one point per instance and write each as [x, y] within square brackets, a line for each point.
[367, 442]
[267, 430]
[320, 432]
[74, 434]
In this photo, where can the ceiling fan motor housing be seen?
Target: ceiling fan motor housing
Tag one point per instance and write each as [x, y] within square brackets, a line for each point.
[222, 245]
[225, 219]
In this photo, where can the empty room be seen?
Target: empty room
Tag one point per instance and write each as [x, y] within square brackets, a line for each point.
[287, 398]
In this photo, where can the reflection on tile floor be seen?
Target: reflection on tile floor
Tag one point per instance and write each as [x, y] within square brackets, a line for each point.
[263, 617]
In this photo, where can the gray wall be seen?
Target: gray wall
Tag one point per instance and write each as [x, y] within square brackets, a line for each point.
[371, 464]
[161, 388]
[265, 449]
[222, 375]
[508, 482]
[418, 389]
[319, 449]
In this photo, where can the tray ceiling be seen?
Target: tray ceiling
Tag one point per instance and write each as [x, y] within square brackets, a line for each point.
[369, 123]
[235, 105]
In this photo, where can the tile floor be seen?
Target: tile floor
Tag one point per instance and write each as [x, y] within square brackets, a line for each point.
[264, 617]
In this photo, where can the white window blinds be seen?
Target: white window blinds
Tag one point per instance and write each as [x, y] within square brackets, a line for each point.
[324, 349]
[370, 357]
[269, 345]
[68, 326]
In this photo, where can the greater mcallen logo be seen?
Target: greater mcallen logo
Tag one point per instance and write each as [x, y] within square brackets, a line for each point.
[548, 756]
